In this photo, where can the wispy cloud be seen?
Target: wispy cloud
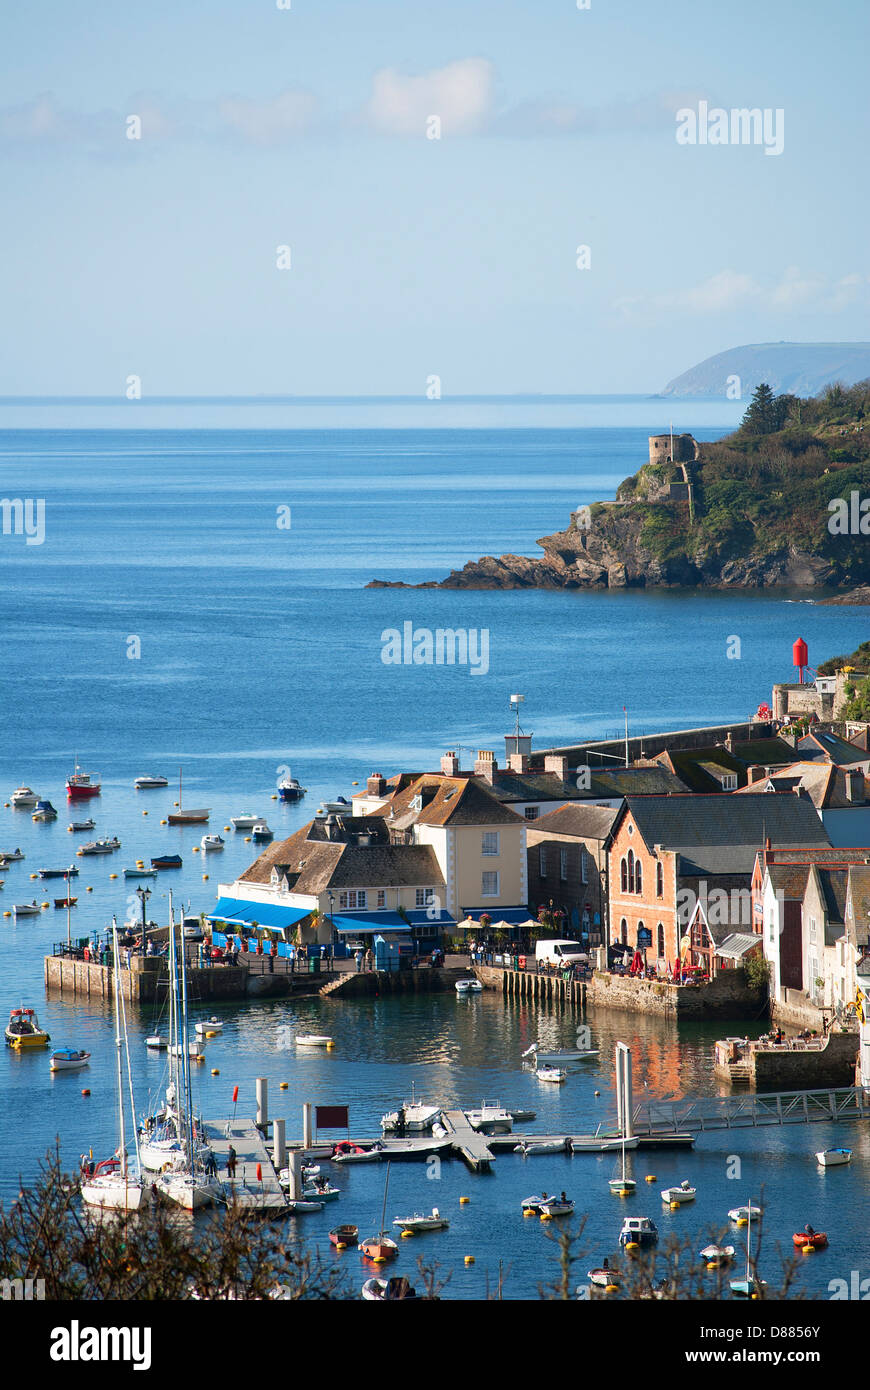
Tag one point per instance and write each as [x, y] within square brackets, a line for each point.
[731, 289]
[268, 122]
[460, 95]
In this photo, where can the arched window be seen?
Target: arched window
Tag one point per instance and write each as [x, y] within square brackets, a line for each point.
[637, 937]
[660, 880]
[623, 876]
[631, 871]
[660, 931]
[638, 877]
[623, 932]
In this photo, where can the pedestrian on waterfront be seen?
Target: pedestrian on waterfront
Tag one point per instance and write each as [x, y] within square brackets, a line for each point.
[370, 959]
[231, 1162]
[291, 956]
[358, 957]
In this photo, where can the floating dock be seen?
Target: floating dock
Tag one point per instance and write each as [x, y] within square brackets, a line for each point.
[256, 1193]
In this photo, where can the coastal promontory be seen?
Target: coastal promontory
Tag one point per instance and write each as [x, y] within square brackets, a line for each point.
[780, 502]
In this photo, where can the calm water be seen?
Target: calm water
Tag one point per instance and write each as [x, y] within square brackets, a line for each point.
[260, 647]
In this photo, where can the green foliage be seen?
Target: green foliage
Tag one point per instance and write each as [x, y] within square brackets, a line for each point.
[860, 659]
[765, 413]
[858, 701]
[757, 972]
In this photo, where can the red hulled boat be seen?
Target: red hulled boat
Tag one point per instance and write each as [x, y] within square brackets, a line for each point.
[79, 786]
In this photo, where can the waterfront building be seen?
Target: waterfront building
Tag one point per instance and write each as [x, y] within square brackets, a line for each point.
[343, 872]
[567, 858]
[667, 852]
[839, 795]
[803, 903]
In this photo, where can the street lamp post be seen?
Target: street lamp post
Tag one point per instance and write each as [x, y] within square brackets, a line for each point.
[143, 894]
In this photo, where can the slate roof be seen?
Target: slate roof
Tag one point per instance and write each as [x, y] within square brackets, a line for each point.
[722, 834]
[825, 745]
[322, 864]
[583, 822]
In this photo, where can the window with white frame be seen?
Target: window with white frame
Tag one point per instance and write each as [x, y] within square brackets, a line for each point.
[425, 897]
[354, 897]
[382, 897]
[531, 812]
[490, 842]
[489, 885]
[563, 864]
[584, 868]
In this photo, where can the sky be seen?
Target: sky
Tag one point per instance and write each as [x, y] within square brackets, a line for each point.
[408, 258]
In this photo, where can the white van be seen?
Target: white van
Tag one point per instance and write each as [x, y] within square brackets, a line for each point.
[560, 953]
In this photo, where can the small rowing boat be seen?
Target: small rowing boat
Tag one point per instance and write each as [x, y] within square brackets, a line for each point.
[314, 1040]
[68, 1059]
[529, 1147]
[551, 1074]
[833, 1158]
[344, 1235]
[816, 1240]
[419, 1222]
[684, 1193]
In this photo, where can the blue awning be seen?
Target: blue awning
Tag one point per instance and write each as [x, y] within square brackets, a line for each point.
[370, 922]
[240, 912]
[513, 915]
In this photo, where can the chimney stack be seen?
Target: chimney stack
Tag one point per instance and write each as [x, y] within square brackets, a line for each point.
[757, 773]
[486, 765]
[729, 741]
[557, 763]
[519, 762]
[450, 764]
[376, 785]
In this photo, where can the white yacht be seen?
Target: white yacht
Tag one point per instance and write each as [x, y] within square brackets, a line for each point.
[414, 1115]
[491, 1118]
[24, 797]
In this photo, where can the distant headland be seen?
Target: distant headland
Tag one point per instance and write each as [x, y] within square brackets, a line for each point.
[776, 503]
[803, 369]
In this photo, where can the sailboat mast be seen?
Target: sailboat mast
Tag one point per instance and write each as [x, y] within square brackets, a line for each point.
[122, 1148]
[185, 1062]
[130, 1088]
[384, 1211]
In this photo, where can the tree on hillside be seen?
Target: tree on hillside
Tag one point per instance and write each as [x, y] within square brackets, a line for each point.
[765, 413]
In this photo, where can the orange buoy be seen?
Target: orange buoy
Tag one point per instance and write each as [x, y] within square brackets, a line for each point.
[86, 1093]
[259, 1172]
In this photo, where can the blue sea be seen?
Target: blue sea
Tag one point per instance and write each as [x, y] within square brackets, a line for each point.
[199, 601]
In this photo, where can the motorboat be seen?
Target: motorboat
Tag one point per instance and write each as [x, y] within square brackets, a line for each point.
[140, 873]
[156, 1041]
[557, 1206]
[714, 1255]
[303, 1204]
[290, 790]
[412, 1115]
[80, 785]
[468, 987]
[44, 811]
[833, 1158]
[341, 806]
[166, 861]
[71, 872]
[313, 1040]
[79, 825]
[816, 1240]
[144, 783]
[551, 1074]
[320, 1191]
[100, 846]
[750, 1286]
[177, 1049]
[246, 821]
[65, 902]
[68, 1059]
[188, 817]
[344, 1235]
[261, 831]
[209, 1025]
[388, 1290]
[419, 1222]
[27, 909]
[684, 1193]
[535, 1204]
[605, 1143]
[491, 1117]
[566, 1054]
[637, 1232]
[211, 842]
[347, 1152]
[742, 1215]
[604, 1277]
[11, 855]
[23, 1030]
[23, 798]
[529, 1147]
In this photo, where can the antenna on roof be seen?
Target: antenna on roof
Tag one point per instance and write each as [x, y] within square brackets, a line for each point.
[516, 701]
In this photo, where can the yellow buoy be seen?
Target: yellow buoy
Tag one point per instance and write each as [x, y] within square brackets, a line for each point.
[469, 1259]
[377, 1259]
[226, 827]
[211, 1035]
[742, 1221]
[283, 1085]
[632, 1246]
[545, 1216]
[808, 1249]
[215, 1072]
[611, 1288]
[675, 1206]
[163, 822]
[274, 798]
[200, 1057]
[7, 914]
[329, 1046]
[463, 1201]
[205, 878]
[597, 1093]
[406, 1234]
[340, 1245]
[175, 803]
[45, 904]
[650, 1177]
[113, 875]
[247, 839]
[69, 830]
[34, 875]
[144, 813]
[354, 784]
[196, 849]
[527, 1211]
[89, 889]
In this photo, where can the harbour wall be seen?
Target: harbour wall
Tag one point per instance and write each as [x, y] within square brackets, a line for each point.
[147, 981]
[726, 997]
[831, 1065]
